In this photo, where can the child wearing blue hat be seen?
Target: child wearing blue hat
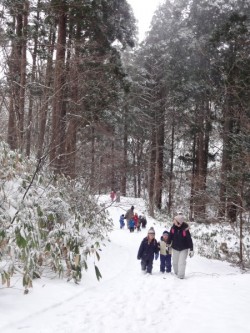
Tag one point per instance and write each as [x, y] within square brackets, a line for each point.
[122, 223]
[165, 253]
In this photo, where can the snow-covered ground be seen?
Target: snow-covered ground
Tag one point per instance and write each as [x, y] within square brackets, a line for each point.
[214, 296]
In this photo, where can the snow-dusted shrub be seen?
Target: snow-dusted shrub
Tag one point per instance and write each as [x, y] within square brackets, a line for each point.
[219, 241]
[45, 225]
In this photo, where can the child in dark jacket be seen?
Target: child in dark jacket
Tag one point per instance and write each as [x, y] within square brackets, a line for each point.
[143, 221]
[147, 250]
[165, 253]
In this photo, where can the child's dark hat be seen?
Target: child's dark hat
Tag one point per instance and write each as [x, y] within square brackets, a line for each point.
[165, 232]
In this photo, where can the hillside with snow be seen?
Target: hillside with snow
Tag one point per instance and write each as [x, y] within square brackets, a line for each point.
[213, 297]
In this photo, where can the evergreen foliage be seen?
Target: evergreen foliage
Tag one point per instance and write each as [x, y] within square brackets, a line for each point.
[47, 225]
[168, 121]
[194, 69]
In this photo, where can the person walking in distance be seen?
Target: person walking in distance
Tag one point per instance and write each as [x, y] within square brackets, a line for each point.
[181, 242]
[122, 223]
[131, 225]
[136, 219]
[143, 221]
[129, 215]
[112, 195]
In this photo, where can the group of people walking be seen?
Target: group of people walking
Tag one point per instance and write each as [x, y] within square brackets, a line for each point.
[173, 247]
[134, 222]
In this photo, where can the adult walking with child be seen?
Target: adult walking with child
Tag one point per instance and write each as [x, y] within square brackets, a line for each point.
[181, 241]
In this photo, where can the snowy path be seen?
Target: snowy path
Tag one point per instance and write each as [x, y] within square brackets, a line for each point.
[214, 297]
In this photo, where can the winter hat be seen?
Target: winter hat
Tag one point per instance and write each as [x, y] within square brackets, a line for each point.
[151, 230]
[132, 207]
[165, 233]
[179, 218]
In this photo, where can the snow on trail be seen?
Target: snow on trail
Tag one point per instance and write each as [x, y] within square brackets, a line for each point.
[214, 297]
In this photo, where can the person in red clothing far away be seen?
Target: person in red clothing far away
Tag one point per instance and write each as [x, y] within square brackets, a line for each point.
[112, 195]
[136, 219]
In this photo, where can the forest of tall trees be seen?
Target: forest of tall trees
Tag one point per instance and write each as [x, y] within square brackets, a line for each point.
[167, 119]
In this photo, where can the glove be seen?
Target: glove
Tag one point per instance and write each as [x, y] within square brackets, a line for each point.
[191, 254]
[156, 256]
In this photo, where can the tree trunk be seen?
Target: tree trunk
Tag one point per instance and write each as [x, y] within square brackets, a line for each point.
[112, 167]
[46, 93]
[192, 201]
[241, 222]
[171, 171]
[151, 181]
[201, 160]
[23, 72]
[33, 77]
[71, 91]
[93, 162]
[226, 164]
[58, 113]
[139, 169]
[15, 81]
[134, 173]
[158, 186]
[125, 153]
